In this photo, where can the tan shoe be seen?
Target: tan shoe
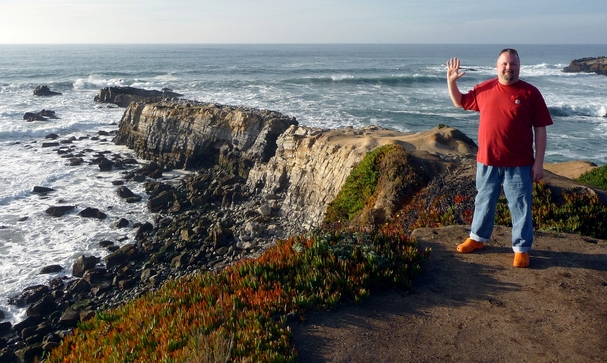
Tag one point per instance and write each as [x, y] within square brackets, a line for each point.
[469, 245]
[521, 259]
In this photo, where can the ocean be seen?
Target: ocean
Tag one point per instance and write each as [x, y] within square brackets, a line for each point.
[330, 86]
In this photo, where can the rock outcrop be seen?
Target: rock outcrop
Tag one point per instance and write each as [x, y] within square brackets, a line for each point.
[43, 115]
[123, 96]
[311, 165]
[588, 65]
[43, 90]
[191, 134]
[305, 166]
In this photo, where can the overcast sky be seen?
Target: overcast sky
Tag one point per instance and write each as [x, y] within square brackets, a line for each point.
[303, 21]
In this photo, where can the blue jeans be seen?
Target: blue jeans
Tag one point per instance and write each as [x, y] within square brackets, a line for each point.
[518, 186]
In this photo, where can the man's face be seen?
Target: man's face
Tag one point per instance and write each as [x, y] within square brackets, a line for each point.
[508, 68]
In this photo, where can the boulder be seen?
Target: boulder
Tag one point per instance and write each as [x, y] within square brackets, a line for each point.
[124, 192]
[42, 307]
[42, 190]
[29, 295]
[84, 263]
[50, 269]
[123, 96]
[43, 90]
[58, 211]
[92, 213]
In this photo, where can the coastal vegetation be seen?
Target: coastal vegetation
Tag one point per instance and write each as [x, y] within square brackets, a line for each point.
[596, 177]
[241, 313]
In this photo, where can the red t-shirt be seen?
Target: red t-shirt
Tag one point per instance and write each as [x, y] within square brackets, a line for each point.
[508, 115]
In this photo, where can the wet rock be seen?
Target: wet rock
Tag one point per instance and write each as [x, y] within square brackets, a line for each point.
[43, 90]
[75, 161]
[58, 211]
[92, 213]
[124, 192]
[50, 269]
[105, 164]
[84, 263]
[123, 96]
[42, 190]
[122, 223]
[29, 295]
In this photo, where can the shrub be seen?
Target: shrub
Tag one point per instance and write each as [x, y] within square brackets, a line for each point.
[596, 177]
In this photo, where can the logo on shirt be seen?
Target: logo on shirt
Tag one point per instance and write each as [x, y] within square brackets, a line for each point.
[517, 101]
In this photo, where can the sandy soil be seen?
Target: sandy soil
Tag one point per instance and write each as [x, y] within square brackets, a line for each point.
[476, 307]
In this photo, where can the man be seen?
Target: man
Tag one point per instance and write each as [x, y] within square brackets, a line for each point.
[512, 111]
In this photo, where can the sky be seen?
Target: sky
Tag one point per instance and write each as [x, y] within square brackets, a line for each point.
[303, 21]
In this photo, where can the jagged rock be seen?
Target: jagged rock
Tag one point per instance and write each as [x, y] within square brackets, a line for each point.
[594, 64]
[123, 96]
[191, 134]
[82, 264]
[92, 213]
[124, 192]
[79, 286]
[30, 353]
[28, 322]
[58, 211]
[42, 307]
[43, 90]
[29, 295]
[43, 115]
[117, 258]
[303, 167]
[69, 318]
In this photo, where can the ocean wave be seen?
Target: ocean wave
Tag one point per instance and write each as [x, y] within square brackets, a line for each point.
[586, 111]
[97, 82]
[395, 80]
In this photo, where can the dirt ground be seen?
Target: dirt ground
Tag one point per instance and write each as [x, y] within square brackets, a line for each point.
[475, 307]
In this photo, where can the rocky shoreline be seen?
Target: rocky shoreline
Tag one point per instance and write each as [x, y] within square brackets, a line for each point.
[257, 176]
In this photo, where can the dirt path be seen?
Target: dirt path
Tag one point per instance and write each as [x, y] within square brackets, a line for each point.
[476, 307]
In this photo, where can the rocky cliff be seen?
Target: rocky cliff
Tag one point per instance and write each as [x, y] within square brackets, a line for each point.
[311, 165]
[595, 64]
[302, 169]
[190, 134]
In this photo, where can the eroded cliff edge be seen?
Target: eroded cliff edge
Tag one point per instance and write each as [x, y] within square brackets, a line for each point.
[301, 169]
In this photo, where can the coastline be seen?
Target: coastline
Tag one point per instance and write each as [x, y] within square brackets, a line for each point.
[195, 228]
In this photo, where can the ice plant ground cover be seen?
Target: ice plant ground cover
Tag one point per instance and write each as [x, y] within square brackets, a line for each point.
[241, 312]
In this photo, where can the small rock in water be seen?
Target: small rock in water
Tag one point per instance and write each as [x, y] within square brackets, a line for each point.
[92, 213]
[58, 211]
